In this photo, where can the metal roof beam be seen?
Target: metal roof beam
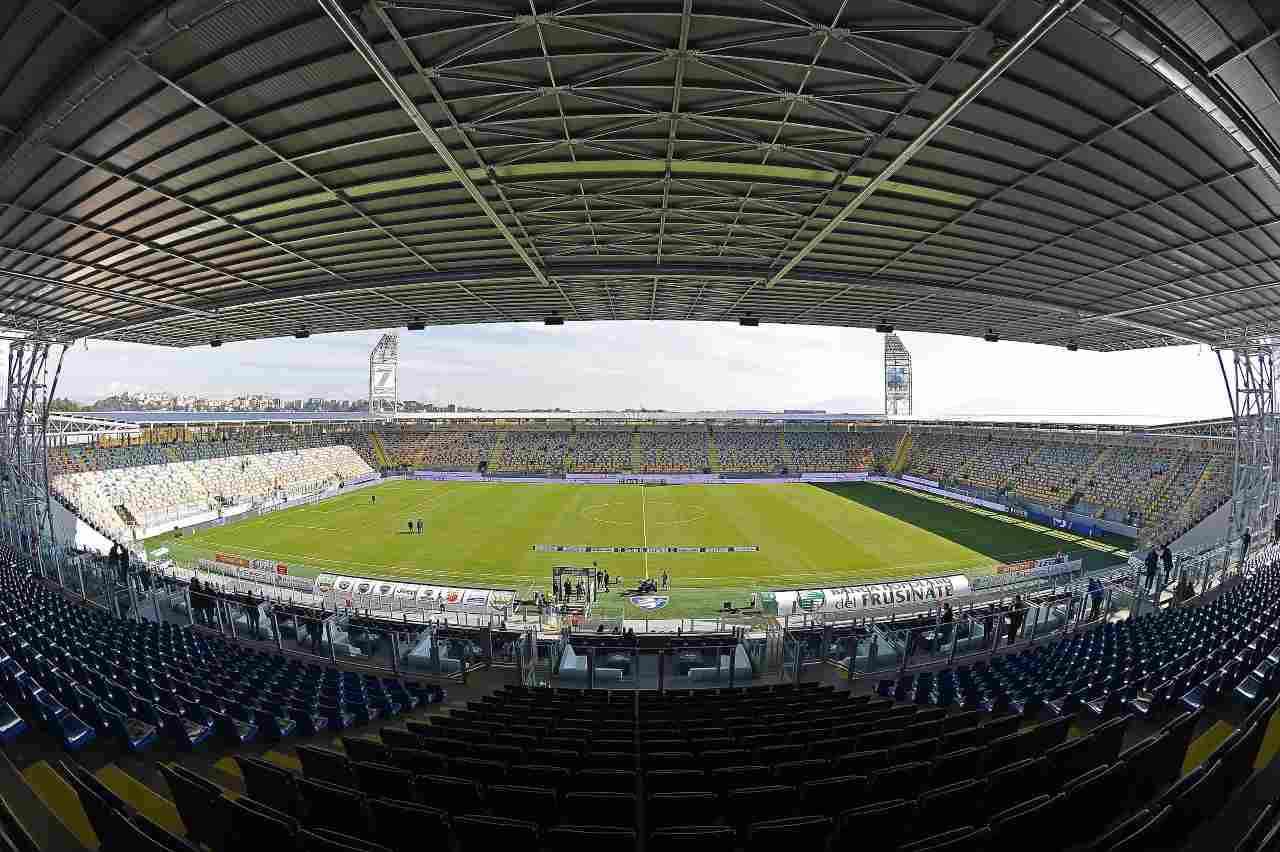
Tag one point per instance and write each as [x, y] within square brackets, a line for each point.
[171, 309]
[728, 274]
[1046, 22]
[367, 52]
[1220, 65]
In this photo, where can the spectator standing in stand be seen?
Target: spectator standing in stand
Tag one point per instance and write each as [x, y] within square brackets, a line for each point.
[1245, 540]
[1166, 560]
[948, 618]
[989, 625]
[1152, 561]
[1095, 598]
[1016, 616]
[197, 612]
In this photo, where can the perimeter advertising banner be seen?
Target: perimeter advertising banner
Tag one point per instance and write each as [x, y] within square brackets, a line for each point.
[1058, 561]
[1019, 572]
[363, 591]
[261, 571]
[921, 594]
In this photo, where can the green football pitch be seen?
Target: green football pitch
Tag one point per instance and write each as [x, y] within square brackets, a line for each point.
[482, 534]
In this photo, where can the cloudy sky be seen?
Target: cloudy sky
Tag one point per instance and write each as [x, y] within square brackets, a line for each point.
[680, 366]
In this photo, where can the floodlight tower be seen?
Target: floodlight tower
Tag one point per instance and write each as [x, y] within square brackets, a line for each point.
[384, 392]
[897, 377]
[35, 364]
[1255, 496]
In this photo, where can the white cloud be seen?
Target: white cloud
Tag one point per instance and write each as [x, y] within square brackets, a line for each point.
[685, 366]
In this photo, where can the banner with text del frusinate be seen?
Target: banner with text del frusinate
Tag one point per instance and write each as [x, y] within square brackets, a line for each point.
[921, 593]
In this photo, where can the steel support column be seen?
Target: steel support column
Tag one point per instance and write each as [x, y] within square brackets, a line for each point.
[35, 364]
[1251, 390]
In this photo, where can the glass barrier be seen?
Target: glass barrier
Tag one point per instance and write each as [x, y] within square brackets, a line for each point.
[363, 640]
[248, 619]
[301, 631]
[206, 610]
[615, 668]
[709, 666]
[177, 606]
[99, 582]
[504, 647]
[756, 647]
[420, 652]
[443, 651]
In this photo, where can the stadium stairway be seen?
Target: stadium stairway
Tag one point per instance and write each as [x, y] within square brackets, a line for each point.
[566, 462]
[788, 457]
[379, 451]
[637, 453]
[1185, 516]
[713, 452]
[902, 457]
[497, 452]
[1150, 508]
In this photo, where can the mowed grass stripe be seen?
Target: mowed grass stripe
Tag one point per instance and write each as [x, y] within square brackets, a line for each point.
[481, 534]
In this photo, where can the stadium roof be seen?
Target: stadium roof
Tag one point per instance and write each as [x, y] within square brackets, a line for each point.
[173, 172]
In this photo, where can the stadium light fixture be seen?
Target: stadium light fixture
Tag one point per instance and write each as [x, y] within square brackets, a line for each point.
[554, 319]
[991, 337]
[216, 342]
[883, 327]
[302, 333]
[1073, 346]
[417, 324]
[749, 320]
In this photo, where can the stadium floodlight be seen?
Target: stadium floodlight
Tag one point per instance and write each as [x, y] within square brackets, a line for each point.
[417, 324]
[1073, 346]
[302, 333]
[991, 337]
[216, 342]
[749, 320]
[883, 327]
[554, 319]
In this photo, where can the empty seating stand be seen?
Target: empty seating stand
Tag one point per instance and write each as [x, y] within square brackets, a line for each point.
[740, 769]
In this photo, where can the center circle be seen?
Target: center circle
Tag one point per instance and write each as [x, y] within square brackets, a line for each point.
[657, 513]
